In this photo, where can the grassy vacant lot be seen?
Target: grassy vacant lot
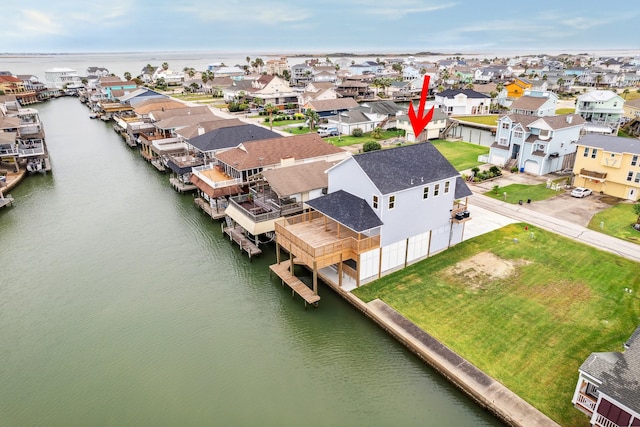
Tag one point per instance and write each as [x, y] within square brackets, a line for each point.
[565, 110]
[527, 313]
[483, 120]
[345, 140]
[617, 222]
[517, 192]
[462, 155]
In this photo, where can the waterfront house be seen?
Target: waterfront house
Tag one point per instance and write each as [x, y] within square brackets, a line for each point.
[463, 102]
[536, 145]
[11, 85]
[301, 75]
[609, 164]
[384, 210]
[264, 90]
[62, 78]
[608, 390]
[331, 107]
[281, 192]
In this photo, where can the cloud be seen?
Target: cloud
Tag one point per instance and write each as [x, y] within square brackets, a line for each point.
[400, 11]
[245, 13]
[34, 23]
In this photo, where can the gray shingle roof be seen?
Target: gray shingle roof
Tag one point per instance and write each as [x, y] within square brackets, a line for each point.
[614, 144]
[397, 169]
[451, 93]
[462, 189]
[349, 210]
[229, 137]
[619, 373]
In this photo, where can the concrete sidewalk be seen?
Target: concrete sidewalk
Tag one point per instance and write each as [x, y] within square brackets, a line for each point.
[593, 238]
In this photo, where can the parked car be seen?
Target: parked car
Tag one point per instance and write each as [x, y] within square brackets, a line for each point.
[580, 192]
[324, 131]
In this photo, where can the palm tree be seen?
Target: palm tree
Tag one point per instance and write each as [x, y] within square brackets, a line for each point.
[312, 116]
[205, 78]
[270, 109]
[561, 83]
[598, 80]
[127, 75]
[625, 93]
[165, 66]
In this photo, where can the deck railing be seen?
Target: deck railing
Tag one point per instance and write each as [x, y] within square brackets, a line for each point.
[586, 402]
[251, 214]
[593, 174]
[601, 421]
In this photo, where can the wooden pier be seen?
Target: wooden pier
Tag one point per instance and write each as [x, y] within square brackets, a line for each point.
[237, 235]
[181, 187]
[296, 285]
[214, 213]
[5, 200]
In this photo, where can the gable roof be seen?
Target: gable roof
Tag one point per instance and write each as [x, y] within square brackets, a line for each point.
[229, 134]
[156, 104]
[380, 107]
[201, 128]
[615, 144]
[462, 189]
[164, 113]
[347, 209]
[175, 122]
[554, 122]
[528, 103]
[597, 96]
[333, 104]
[619, 373]
[397, 169]
[470, 93]
[256, 154]
[297, 179]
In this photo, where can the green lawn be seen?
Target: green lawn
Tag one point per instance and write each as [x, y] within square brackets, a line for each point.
[531, 326]
[617, 222]
[345, 140]
[517, 192]
[565, 111]
[483, 120]
[462, 155]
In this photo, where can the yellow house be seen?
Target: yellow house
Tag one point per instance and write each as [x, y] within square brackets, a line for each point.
[632, 109]
[516, 88]
[608, 164]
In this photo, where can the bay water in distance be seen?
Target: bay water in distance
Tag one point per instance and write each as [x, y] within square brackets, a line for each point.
[121, 304]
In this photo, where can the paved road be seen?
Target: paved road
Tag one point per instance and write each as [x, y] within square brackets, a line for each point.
[521, 213]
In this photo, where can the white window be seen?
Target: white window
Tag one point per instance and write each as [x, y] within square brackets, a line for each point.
[375, 202]
[637, 180]
[586, 152]
[594, 153]
[634, 161]
[436, 190]
[629, 176]
[505, 125]
[446, 187]
[503, 141]
[392, 202]
[518, 134]
[425, 193]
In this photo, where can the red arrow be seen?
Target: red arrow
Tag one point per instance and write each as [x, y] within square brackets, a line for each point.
[420, 121]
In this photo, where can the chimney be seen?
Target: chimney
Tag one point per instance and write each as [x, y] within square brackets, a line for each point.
[200, 130]
[569, 118]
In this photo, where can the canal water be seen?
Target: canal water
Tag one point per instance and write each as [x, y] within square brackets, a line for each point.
[121, 304]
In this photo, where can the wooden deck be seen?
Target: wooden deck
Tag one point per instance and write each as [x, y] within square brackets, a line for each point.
[6, 200]
[181, 187]
[297, 287]
[214, 213]
[237, 235]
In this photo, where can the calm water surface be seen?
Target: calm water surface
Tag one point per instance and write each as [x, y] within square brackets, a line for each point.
[122, 305]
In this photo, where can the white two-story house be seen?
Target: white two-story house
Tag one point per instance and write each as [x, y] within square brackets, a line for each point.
[463, 102]
[383, 210]
[536, 145]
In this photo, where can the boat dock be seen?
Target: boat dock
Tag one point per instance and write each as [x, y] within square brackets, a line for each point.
[181, 187]
[296, 285]
[5, 200]
[237, 235]
[213, 212]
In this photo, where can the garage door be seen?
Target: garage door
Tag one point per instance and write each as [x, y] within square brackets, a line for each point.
[531, 166]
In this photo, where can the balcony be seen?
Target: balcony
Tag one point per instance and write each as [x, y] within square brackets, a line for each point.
[214, 177]
[586, 402]
[600, 176]
[31, 149]
[459, 213]
[318, 241]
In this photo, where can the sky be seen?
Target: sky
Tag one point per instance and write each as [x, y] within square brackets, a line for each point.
[329, 26]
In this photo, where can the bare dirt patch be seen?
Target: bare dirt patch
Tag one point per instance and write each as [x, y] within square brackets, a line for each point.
[481, 269]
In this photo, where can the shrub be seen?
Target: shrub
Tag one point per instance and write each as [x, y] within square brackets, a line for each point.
[357, 132]
[475, 170]
[514, 169]
[495, 170]
[496, 189]
[371, 146]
